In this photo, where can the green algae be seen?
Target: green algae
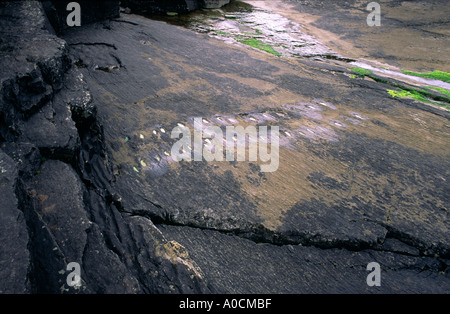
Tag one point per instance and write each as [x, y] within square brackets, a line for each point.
[441, 90]
[436, 75]
[419, 95]
[256, 43]
[361, 71]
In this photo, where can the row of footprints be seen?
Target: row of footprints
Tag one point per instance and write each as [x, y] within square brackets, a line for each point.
[299, 121]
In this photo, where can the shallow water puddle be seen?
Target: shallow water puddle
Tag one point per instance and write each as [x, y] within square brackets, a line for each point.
[242, 23]
[396, 73]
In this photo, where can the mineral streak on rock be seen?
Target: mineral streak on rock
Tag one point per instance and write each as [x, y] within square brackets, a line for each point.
[87, 176]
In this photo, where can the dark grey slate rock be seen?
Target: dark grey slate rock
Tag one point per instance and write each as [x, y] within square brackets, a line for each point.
[159, 6]
[26, 156]
[394, 245]
[214, 4]
[98, 207]
[33, 64]
[53, 129]
[103, 270]
[144, 261]
[14, 255]
[60, 206]
[91, 11]
[164, 266]
[59, 222]
[330, 226]
[235, 265]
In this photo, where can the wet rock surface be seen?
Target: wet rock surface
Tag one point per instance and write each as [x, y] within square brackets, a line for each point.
[414, 27]
[14, 255]
[240, 266]
[88, 175]
[171, 7]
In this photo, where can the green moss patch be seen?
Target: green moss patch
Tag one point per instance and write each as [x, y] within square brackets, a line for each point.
[407, 94]
[441, 90]
[361, 71]
[437, 75]
[419, 95]
[256, 43]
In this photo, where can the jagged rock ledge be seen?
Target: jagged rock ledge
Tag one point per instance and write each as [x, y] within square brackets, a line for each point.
[54, 204]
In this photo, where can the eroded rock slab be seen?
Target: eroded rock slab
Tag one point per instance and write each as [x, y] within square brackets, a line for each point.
[92, 11]
[14, 255]
[236, 265]
[361, 175]
[33, 63]
[293, 204]
[57, 212]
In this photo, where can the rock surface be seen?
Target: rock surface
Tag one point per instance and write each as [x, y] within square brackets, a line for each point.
[170, 6]
[157, 6]
[56, 208]
[92, 11]
[406, 20]
[87, 174]
[14, 255]
[214, 4]
[242, 266]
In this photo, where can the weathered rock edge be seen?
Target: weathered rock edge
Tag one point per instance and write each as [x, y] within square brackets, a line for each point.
[58, 208]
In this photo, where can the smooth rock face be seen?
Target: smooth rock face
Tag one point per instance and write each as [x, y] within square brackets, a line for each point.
[242, 266]
[87, 176]
[313, 200]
